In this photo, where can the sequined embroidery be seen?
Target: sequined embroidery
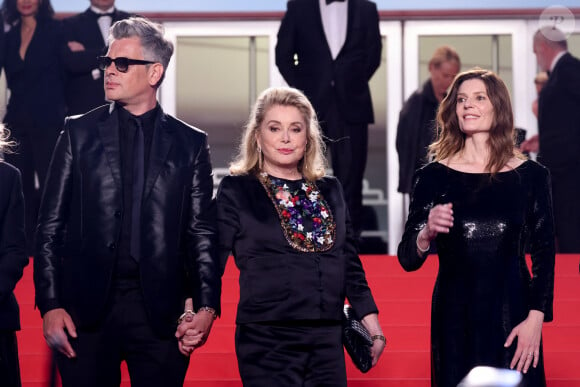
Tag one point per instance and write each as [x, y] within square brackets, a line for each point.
[298, 207]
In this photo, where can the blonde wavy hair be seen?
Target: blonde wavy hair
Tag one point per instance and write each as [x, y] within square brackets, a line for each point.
[247, 161]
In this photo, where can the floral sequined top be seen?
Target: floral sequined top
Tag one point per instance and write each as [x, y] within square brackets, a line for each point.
[305, 217]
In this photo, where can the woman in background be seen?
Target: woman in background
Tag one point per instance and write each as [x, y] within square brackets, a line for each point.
[36, 108]
[480, 201]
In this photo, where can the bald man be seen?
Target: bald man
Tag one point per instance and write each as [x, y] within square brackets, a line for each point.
[559, 132]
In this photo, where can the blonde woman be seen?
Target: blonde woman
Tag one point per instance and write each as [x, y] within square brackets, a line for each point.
[288, 228]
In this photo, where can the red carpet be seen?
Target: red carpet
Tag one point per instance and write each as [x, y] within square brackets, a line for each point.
[404, 300]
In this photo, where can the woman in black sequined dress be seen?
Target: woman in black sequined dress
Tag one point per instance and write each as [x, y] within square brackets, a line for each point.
[483, 205]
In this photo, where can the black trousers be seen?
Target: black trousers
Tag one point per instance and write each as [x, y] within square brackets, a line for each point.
[291, 354]
[348, 145]
[124, 335]
[32, 157]
[9, 365]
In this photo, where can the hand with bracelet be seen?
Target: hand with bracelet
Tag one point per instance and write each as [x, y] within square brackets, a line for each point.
[194, 327]
[440, 220]
[371, 323]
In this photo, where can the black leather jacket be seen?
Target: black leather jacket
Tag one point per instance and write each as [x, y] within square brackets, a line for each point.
[80, 221]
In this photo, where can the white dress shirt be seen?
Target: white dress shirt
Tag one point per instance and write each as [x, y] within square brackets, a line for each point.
[104, 21]
[334, 21]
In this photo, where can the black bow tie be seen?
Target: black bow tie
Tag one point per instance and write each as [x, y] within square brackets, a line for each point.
[98, 15]
[331, 1]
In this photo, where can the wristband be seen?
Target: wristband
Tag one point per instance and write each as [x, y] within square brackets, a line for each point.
[209, 310]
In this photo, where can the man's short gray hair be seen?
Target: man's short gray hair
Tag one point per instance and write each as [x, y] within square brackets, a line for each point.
[156, 47]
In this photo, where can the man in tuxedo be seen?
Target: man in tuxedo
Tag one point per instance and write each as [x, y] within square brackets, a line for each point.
[86, 34]
[126, 231]
[330, 49]
[559, 132]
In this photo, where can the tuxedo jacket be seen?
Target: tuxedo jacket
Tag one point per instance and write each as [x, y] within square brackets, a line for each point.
[82, 209]
[320, 76]
[278, 282]
[13, 256]
[84, 91]
[559, 117]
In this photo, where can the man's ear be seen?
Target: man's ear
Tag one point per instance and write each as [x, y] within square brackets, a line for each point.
[155, 73]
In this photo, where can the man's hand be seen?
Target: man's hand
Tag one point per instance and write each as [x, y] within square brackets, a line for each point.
[194, 329]
[54, 323]
[531, 145]
[75, 46]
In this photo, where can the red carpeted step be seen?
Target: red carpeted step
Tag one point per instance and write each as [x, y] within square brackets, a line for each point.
[397, 365]
[405, 301]
[35, 367]
[561, 337]
[563, 383]
[562, 364]
[406, 337]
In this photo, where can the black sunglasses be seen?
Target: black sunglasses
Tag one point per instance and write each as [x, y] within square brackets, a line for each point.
[121, 63]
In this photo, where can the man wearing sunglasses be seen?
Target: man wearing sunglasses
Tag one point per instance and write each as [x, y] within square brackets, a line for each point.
[126, 234]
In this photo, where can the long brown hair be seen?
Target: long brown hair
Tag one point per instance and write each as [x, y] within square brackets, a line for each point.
[450, 138]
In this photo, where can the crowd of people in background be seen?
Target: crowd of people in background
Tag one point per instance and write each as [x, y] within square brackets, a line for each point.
[113, 198]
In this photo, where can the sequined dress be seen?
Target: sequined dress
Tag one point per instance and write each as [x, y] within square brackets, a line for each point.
[483, 288]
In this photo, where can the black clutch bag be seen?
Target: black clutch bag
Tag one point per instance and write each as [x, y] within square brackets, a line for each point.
[357, 340]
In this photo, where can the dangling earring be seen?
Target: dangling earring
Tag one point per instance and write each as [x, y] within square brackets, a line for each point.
[259, 158]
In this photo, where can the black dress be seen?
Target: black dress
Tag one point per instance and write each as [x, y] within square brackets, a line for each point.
[483, 288]
[36, 108]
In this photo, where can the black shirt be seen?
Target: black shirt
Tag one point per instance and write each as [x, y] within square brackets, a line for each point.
[128, 267]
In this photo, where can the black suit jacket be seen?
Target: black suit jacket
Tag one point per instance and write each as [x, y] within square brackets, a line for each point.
[83, 91]
[559, 117]
[415, 131]
[316, 73]
[13, 256]
[81, 212]
[278, 282]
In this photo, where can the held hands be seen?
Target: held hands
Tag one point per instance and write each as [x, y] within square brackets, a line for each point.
[54, 323]
[529, 333]
[440, 221]
[193, 330]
